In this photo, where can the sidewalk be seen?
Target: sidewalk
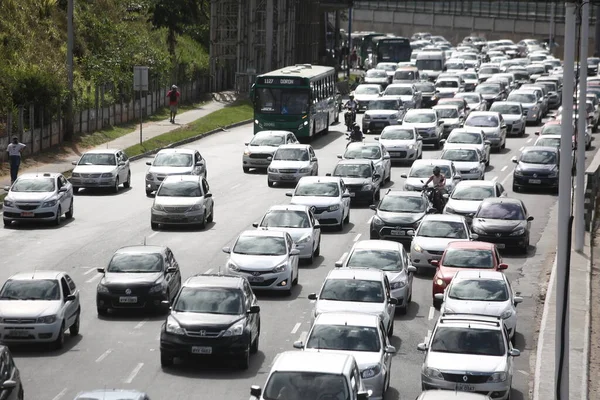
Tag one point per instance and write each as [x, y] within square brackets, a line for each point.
[149, 131]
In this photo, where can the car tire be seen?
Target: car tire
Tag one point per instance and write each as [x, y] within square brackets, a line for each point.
[270, 183]
[244, 361]
[115, 189]
[436, 145]
[437, 304]
[389, 178]
[202, 224]
[148, 193]
[7, 222]
[74, 329]
[56, 221]
[515, 188]
[295, 280]
[165, 308]
[60, 340]
[76, 189]
[127, 183]
[255, 343]
[154, 226]
[246, 169]
[166, 361]
[347, 219]
[21, 394]
[391, 329]
[318, 249]
[211, 217]
[69, 214]
[311, 259]
[102, 311]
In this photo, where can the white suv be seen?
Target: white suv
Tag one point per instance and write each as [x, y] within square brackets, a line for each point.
[173, 162]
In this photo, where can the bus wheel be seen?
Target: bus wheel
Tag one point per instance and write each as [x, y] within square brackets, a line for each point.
[337, 117]
[326, 130]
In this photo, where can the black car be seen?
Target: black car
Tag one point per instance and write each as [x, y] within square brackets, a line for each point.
[491, 92]
[11, 387]
[138, 277]
[428, 93]
[537, 167]
[361, 179]
[213, 315]
[398, 213]
[503, 221]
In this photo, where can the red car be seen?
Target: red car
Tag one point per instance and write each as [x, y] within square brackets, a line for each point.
[464, 256]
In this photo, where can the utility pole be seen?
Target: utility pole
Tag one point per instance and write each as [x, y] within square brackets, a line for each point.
[70, 43]
[349, 39]
[551, 28]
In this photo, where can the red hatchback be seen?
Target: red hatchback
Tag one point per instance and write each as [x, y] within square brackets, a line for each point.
[464, 256]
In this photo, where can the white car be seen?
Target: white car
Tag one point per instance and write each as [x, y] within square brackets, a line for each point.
[402, 143]
[38, 197]
[39, 306]
[470, 78]
[468, 195]
[173, 162]
[421, 170]
[448, 86]
[474, 101]
[549, 140]
[469, 162]
[482, 292]
[365, 93]
[267, 259]
[300, 222]
[461, 138]
[101, 169]
[492, 124]
[405, 92]
[262, 146]
[381, 113]
[328, 197]
[375, 152]
[377, 77]
[290, 163]
[427, 123]
[512, 113]
[529, 102]
[451, 117]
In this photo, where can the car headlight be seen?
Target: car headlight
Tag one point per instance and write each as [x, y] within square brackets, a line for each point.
[553, 174]
[409, 187]
[159, 287]
[280, 268]
[49, 319]
[196, 207]
[233, 267]
[107, 175]
[497, 377]
[50, 203]
[432, 373]
[397, 285]
[102, 289]
[440, 282]
[150, 177]
[334, 207]
[370, 371]
[478, 230]
[518, 172]
[367, 117]
[236, 329]
[417, 248]
[506, 314]
[411, 146]
[158, 207]
[304, 239]
[273, 170]
[449, 210]
[304, 170]
[172, 326]
[367, 186]
[247, 152]
[518, 232]
[474, 170]
[75, 175]
[394, 116]
[8, 203]
[377, 221]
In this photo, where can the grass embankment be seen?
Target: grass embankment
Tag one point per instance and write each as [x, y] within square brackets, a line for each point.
[229, 115]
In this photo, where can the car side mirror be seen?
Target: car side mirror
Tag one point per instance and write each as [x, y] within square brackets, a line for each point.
[411, 269]
[339, 156]
[386, 157]
[442, 141]
[474, 236]
[254, 310]
[537, 133]
[226, 250]
[435, 263]
[390, 350]
[514, 353]
[457, 177]
[70, 297]
[439, 296]
[208, 195]
[487, 142]
[446, 196]
[62, 189]
[298, 345]
[393, 301]
[338, 264]
[101, 270]
[6, 188]
[269, 158]
[148, 162]
[171, 270]
[73, 162]
[377, 138]
[440, 123]
[312, 296]
[530, 218]
[403, 176]
[255, 391]
[289, 194]
[346, 195]
[122, 163]
[9, 385]
[294, 252]
[514, 159]
[200, 163]
[410, 233]
[517, 300]
[422, 347]
[247, 144]
[502, 266]
[373, 207]
[327, 174]
[376, 176]
[255, 224]
[432, 210]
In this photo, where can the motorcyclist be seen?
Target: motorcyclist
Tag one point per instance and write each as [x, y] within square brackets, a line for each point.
[352, 108]
[439, 185]
[356, 135]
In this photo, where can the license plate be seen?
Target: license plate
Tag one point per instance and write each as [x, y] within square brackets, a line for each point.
[201, 350]
[535, 181]
[256, 279]
[27, 214]
[18, 333]
[288, 177]
[128, 299]
[465, 388]
[379, 124]
[352, 194]
[89, 181]
[398, 233]
[500, 245]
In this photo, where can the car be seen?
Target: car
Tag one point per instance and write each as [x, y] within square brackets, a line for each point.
[482, 292]
[474, 101]
[471, 60]
[388, 67]
[112, 394]
[262, 146]
[375, 152]
[463, 138]
[364, 93]
[37, 307]
[428, 96]
[451, 395]
[432, 236]
[389, 257]
[213, 315]
[536, 70]
[406, 74]
[361, 178]
[504, 221]
[448, 87]
[138, 277]
[101, 169]
[402, 143]
[381, 113]
[300, 222]
[553, 93]
[451, 117]
[491, 92]
[173, 162]
[427, 123]
[455, 64]
[469, 162]
[521, 75]
[549, 141]
[360, 335]
[551, 127]
[512, 112]
[421, 170]
[292, 162]
[10, 381]
[267, 259]
[328, 195]
[471, 346]
[486, 71]
[38, 197]
[536, 167]
[492, 124]
[398, 212]
[470, 78]
[461, 103]
[182, 200]
[407, 93]
[467, 195]
[307, 375]
[530, 105]
[460, 256]
[541, 94]
[376, 77]
[357, 290]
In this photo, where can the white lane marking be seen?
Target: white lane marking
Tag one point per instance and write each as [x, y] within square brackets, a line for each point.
[506, 178]
[521, 149]
[60, 395]
[209, 271]
[357, 237]
[523, 372]
[89, 271]
[95, 278]
[134, 373]
[141, 323]
[153, 234]
[428, 336]
[236, 186]
[303, 336]
[103, 355]
[296, 327]
[494, 179]
[431, 312]
[504, 168]
[529, 140]
[370, 219]
[158, 336]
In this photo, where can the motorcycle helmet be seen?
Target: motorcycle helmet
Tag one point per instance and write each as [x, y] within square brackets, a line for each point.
[436, 171]
[356, 128]
[351, 96]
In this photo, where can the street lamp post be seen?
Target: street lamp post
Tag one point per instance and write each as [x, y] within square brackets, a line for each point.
[70, 40]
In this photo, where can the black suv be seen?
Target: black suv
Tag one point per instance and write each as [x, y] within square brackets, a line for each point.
[361, 179]
[212, 315]
[11, 387]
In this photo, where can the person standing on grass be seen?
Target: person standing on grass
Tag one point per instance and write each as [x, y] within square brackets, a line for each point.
[14, 156]
[173, 96]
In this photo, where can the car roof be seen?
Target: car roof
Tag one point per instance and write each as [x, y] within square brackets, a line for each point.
[420, 111]
[262, 233]
[400, 85]
[273, 132]
[445, 106]
[479, 274]
[355, 161]
[444, 217]
[182, 178]
[510, 103]
[431, 161]
[474, 245]
[289, 207]
[376, 245]
[37, 274]
[450, 395]
[347, 318]
[148, 249]
[316, 362]
[404, 193]
[294, 146]
[40, 175]
[548, 137]
[502, 200]
[214, 281]
[110, 394]
[102, 151]
[172, 151]
[356, 273]
[320, 179]
[471, 320]
[486, 113]
[539, 148]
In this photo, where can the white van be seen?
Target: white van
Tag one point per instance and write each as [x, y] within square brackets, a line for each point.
[431, 64]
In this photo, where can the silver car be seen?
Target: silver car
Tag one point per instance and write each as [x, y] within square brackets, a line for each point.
[173, 162]
[531, 108]
[405, 92]
[474, 101]
[492, 124]
[183, 200]
[427, 123]
[381, 113]
[268, 259]
[468, 195]
[290, 163]
[377, 77]
[450, 116]
[375, 152]
[360, 335]
[462, 138]
[300, 222]
[512, 112]
[39, 306]
[365, 93]
[402, 143]
[103, 394]
[101, 169]
[469, 162]
[262, 146]
[389, 257]
[421, 170]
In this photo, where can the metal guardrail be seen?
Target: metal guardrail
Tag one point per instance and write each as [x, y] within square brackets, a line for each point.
[592, 192]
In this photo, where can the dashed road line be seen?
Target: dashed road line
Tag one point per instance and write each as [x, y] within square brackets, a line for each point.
[89, 271]
[431, 313]
[95, 278]
[141, 323]
[504, 168]
[153, 234]
[494, 179]
[357, 237]
[209, 271]
[296, 327]
[103, 355]
[370, 219]
[134, 373]
[236, 186]
[521, 149]
[60, 395]
[529, 140]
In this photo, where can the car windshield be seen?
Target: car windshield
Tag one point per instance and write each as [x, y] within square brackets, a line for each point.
[425, 171]
[405, 75]
[554, 129]
[376, 73]
[521, 75]
[30, 289]
[453, 102]
[398, 91]
[488, 89]
[98, 159]
[468, 258]
[488, 71]
[291, 155]
[465, 138]
[135, 262]
[41, 185]
[398, 134]
[455, 65]
[550, 86]
[484, 121]
[447, 112]
[383, 105]
[526, 98]
[470, 98]
[469, 76]
[425, 87]
[209, 301]
[447, 84]
[353, 171]
[479, 290]
[503, 108]
[344, 338]
[354, 290]
[321, 189]
[260, 245]
[429, 65]
[472, 193]
[539, 157]
[420, 118]
[403, 204]
[548, 142]
[464, 155]
[385, 260]
[442, 229]
[506, 211]
[536, 69]
[286, 385]
[267, 140]
[180, 189]
[456, 340]
[386, 66]
[286, 219]
[363, 152]
[366, 90]
[173, 160]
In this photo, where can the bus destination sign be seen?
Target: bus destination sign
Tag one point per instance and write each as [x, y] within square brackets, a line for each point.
[281, 81]
[396, 41]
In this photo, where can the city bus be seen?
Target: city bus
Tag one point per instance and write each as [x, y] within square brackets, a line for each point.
[299, 99]
[391, 49]
[364, 47]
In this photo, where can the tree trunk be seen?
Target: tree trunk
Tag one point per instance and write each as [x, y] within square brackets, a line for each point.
[171, 42]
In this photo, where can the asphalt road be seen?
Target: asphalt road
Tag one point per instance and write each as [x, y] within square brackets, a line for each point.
[122, 351]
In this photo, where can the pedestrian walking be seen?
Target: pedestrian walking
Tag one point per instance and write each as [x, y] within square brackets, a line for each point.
[173, 96]
[14, 156]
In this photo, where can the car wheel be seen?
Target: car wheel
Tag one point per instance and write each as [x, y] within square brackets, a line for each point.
[202, 224]
[148, 193]
[246, 169]
[69, 213]
[389, 177]
[74, 329]
[437, 304]
[318, 249]
[211, 217]
[75, 189]
[244, 361]
[270, 183]
[347, 219]
[60, 340]
[58, 216]
[115, 189]
[295, 280]
[165, 308]
[21, 394]
[254, 346]
[127, 183]
[154, 226]
[515, 188]
[525, 248]
[102, 311]
[311, 259]
[391, 328]
[7, 222]
[165, 361]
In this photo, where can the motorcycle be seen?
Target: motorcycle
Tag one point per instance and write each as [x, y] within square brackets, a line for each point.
[353, 138]
[436, 198]
[349, 118]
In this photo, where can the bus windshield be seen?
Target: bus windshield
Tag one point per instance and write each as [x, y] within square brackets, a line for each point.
[389, 51]
[282, 101]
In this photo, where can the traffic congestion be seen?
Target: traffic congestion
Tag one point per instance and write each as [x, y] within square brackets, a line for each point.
[388, 244]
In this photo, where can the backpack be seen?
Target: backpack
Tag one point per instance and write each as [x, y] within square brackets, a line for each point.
[173, 95]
